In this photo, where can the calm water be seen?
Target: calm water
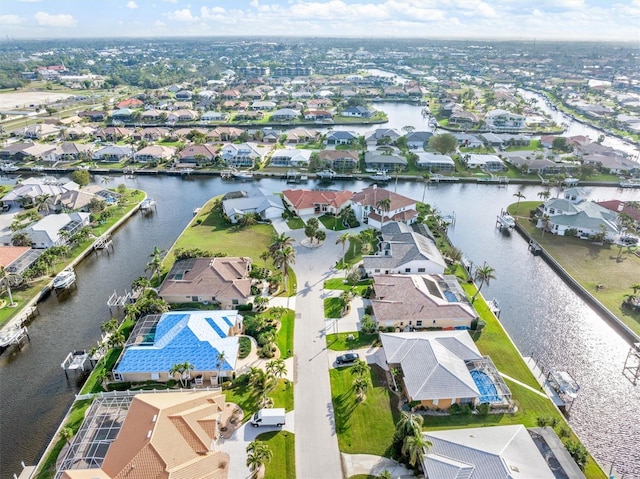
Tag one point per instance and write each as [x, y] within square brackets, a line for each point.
[542, 315]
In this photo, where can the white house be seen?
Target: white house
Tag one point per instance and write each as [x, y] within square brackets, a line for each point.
[52, 230]
[267, 206]
[243, 154]
[404, 251]
[574, 212]
[434, 162]
[504, 121]
[291, 157]
[484, 162]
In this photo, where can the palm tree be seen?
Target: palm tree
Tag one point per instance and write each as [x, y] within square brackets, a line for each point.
[258, 453]
[343, 239]
[184, 370]
[485, 275]
[277, 368]
[5, 279]
[520, 196]
[280, 242]
[360, 368]
[544, 195]
[345, 300]
[247, 219]
[425, 177]
[262, 381]
[141, 282]
[156, 262]
[360, 387]
[284, 258]
[415, 447]
[21, 239]
[409, 424]
[220, 360]
[545, 222]
[384, 205]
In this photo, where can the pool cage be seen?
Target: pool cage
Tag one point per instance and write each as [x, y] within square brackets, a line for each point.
[486, 366]
[144, 331]
[103, 421]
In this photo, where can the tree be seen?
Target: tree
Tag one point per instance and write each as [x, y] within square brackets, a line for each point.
[66, 433]
[408, 425]
[262, 382]
[282, 259]
[360, 387]
[140, 283]
[277, 368]
[343, 239]
[320, 235]
[5, 280]
[360, 368]
[443, 144]
[156, 262]
[183, 370]
[220, 360]
[520, 196]
[345, 300]
[258, 453]
[81, 177]
[383, 205]
[368, 324]
[21, 239]
[578, 452]
[247, 219]
[280, 242]
[484, 274]
[386, 474]
[426, 178]
[415, 447]
[544, 195]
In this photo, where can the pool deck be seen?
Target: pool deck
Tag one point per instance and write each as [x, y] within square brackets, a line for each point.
[542, 380]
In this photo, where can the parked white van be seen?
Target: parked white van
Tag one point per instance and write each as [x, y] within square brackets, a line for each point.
[269, 417]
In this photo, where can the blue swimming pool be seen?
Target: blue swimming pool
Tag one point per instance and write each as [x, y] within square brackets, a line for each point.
[488, 391]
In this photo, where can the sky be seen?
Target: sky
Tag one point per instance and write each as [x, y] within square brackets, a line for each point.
[612, 20]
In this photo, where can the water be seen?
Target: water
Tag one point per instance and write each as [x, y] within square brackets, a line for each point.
[541, 314]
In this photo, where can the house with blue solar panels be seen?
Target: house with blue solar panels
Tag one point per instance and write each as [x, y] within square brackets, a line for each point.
[408, 302]
[158, 342]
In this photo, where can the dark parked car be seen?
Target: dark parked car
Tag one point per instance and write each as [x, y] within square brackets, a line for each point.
[347, 358]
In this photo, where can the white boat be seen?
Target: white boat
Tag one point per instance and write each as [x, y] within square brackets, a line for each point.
[506, 221]
[9, 167]
[64, 279]
[326, 174]
[630, 183]
[242, 174]
[381, 175]
[147, 204]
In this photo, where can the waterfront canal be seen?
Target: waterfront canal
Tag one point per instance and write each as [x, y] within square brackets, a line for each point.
[542, 314]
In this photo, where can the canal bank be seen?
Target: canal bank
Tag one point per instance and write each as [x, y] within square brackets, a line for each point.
[622, 328]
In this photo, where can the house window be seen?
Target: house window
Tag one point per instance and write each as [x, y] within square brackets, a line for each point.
[419, 323]
[407, 270]
[194, 299]
[434, 321]
[155, 376]
[376, 270]
[421, 270]
[213, 298]
[234, 301]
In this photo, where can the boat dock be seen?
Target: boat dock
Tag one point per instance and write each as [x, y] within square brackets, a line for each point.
[438, 178]
[14, 335]
[561, 388]
[117, 301]
[104, 242]
[505, 220]
[75, 360]
[534, 247]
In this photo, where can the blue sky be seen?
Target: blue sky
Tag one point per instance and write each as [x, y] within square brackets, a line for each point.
[476, 19]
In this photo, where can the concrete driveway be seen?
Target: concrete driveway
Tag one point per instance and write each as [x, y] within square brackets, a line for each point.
[236, 445]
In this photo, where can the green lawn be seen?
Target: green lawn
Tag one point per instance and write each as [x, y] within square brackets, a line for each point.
[209, 231]
[23, 294]
[616, 269]
[339, 342]
[243, 395]
[339, 284]
[282, 445]
[333, 223]
[285, 334]
[295, 223]
[333, 308]
[366, 427]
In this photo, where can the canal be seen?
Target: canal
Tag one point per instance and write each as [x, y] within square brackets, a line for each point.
[542, 315]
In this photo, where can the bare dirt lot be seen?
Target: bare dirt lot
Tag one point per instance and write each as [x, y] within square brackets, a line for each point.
[22, 99]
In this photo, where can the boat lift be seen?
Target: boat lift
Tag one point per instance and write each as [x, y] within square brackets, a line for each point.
[75, 360]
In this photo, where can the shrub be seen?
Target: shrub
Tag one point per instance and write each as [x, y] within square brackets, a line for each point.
[572, 232]
[543, 421]
[483, 409]
[577, 451]
[245, 307]
[368, 309]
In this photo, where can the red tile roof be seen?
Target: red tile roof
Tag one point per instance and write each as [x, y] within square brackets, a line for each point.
[372, 195]
[303, 199]
[8, 254]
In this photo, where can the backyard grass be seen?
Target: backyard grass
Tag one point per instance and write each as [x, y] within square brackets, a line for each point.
[339, 284]
[295, 223]
[247, 398]
[283, 462]
[363, 427]
[209, 231]
[339, 342]
[610, 266]
[333, 308]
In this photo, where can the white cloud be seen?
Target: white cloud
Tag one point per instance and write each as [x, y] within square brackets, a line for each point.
[132, 5]
[159, 24]
[60, 20]
[183, 15]
[213, 13]
[11, 20]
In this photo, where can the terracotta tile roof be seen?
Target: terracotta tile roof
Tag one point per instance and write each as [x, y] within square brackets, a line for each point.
[8, 254]
[332, 155]
[372, 195]
[303, 199]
